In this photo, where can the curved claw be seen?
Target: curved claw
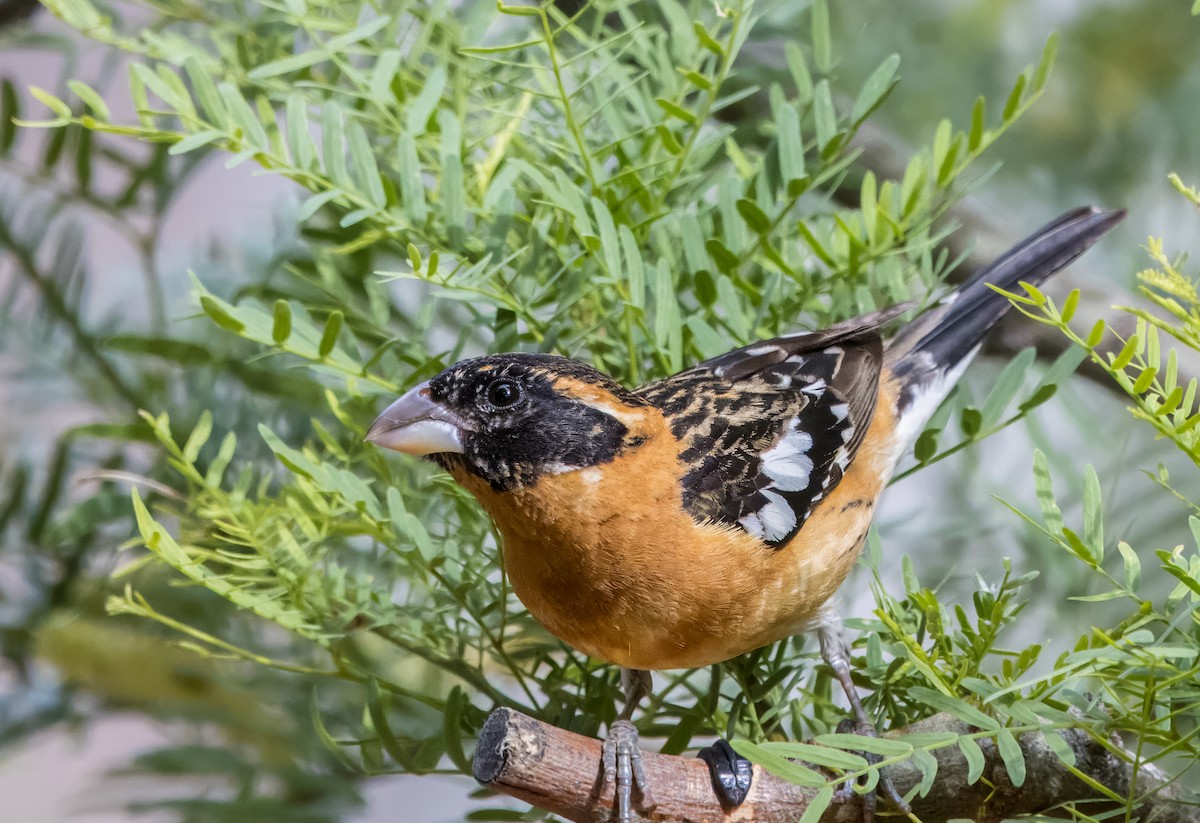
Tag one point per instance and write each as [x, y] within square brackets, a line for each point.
[731, 773]
[622, 762]
[870, 800]
[837, 654]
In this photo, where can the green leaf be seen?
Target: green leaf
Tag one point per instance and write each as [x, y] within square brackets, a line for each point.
[412, 186]
[1045, 493]
[159, 85]
[675, 110]
[975, 759]
[971, 420]
[10, 111]
[333, 326]
[362, 162]
[824, 117]
[1013, 757]
[817, 806]
[1069, 306]
[928, 765]
[1093, 514]
[91, 99]
[59, 107]
[798, 67]
[416, 118]
[205, 92]
[244, 117]
[1062, 750]
[877, 88]
[777, 765]
[726, 260]
[666, 310]
[679, 23]
[941, 142]
[707, 40]
[635, 267]
[953, 706]
[975, 138]
[668, 140]
[218, 311]
[281, 328]
[818, 755]
[333, 143]
[456, 702]
[926, 445]
[1132, 346]
[610, 247]
[791, 145]
[299, 141]
[313, 204]
[216, 468]
[885, 746]
[755, 217]
[517, 11]
[287, 65]
[195, 141]
[1014, 98]
[697, 79]
[1144, 380]
[1006, 386]
[1132, 565]
[198, 437]
[1039, 396]
[1045, 63]
[454, 207]
[382, 75]
[822, 42]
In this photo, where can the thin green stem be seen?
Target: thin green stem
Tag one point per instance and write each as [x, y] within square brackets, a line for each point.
[567, 108]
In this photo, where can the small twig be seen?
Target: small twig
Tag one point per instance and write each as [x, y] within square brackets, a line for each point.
[558, 771]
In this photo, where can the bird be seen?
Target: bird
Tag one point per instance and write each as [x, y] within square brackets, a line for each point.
[717, 510]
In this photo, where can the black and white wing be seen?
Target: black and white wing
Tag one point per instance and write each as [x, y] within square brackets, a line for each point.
[767, 430]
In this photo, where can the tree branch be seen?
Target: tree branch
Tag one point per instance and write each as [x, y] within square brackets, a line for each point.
[558, 771]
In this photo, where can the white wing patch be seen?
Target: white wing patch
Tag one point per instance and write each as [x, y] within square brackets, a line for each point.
[774, 521]
[789, 466]
[788, 462]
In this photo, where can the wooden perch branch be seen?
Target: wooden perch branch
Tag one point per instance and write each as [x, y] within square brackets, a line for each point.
[558, 771]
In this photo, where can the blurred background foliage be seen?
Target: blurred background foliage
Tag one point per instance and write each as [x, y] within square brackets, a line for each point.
[100, 320]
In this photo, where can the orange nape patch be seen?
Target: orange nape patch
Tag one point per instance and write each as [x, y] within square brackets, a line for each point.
[609, 561]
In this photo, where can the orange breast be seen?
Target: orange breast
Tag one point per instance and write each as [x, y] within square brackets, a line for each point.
[610, 562]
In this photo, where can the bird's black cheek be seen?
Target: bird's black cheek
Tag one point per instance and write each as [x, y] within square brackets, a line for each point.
[516, 452]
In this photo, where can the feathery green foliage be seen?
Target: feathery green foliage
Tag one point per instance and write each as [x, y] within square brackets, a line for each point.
[489, 177]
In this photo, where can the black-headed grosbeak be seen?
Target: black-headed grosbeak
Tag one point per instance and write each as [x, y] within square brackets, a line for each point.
[717, 510]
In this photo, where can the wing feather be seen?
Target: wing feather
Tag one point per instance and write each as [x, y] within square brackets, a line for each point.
[767, 430]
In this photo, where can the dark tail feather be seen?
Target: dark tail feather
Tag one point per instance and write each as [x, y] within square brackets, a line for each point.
[927, 354]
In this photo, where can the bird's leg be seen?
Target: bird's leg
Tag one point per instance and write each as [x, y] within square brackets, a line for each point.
[836, 653]
[621, 758]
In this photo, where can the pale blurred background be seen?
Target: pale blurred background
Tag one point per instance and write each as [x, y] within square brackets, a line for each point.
[1119, 114]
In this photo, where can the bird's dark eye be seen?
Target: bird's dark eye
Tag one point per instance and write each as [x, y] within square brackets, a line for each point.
[503, 394]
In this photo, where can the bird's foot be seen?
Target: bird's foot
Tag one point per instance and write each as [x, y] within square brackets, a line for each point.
[846, 792]
[731, 773]
[622, 764]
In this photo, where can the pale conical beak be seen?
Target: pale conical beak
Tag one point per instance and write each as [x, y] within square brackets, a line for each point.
[414, 424]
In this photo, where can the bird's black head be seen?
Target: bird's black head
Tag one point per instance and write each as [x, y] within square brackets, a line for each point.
[511, 418]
